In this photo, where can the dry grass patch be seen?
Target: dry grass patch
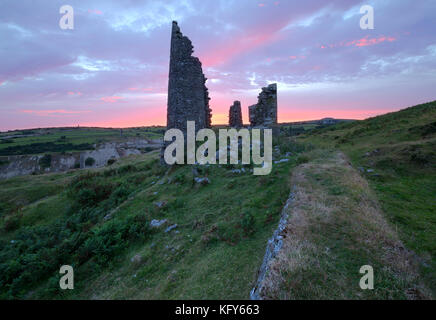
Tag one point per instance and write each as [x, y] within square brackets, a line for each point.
[335, 227]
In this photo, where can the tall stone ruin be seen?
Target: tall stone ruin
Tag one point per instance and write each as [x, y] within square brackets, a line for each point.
[264, 113]
[235, 115]
[188, 97]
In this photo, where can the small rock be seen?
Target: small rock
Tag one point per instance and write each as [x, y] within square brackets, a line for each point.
[281, 161]
[171, 228]
[202, 181]
[107, 217]
[157, 223]
[160, 204]
[136, 259]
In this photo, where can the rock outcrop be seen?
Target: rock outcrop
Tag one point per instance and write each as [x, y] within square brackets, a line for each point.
[235, 115]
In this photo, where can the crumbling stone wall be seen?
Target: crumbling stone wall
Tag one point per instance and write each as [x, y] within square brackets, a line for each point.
[188, 97]
[264, 113]
[235, 115]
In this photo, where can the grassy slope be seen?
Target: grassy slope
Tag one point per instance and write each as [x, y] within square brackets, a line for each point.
[223, 227]
[396, 153]
[335, 227]
[214, 252]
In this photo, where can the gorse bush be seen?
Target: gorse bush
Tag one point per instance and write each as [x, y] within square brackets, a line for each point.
[89, 190]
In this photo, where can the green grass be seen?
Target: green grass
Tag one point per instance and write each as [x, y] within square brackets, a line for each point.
[215, 251]
[398, 149]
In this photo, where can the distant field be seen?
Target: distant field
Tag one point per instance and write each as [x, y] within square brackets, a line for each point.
[68, 139]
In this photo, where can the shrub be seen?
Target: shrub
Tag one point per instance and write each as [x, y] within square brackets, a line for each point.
[40, 147]
[89, 162]
[12, 223]
[88, 190]
[45, 161]
[111, 161]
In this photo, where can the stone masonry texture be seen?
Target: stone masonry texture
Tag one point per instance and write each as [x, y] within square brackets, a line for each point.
[235, 115]
[264, 113]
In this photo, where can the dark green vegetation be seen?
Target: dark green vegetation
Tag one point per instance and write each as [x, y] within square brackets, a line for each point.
[98, 220]
[396, 153]
[71, 139]
[35, 148]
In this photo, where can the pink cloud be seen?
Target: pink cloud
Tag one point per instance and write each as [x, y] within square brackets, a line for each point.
[111, 99]
[72, 93]
[366, 41]
[236, 47]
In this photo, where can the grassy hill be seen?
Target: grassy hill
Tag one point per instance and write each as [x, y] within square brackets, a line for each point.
[396, 154]
[365, 188]
[98, 221]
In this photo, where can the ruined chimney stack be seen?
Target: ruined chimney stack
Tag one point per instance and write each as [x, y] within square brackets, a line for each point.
[264, 113]
[235, 115]
[188, 96]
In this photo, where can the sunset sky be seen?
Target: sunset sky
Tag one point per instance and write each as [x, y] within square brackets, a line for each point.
[112, 69]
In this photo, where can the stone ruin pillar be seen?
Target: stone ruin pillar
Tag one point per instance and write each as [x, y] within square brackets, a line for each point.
[235, 115]
[264, 113]
[188, 97]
